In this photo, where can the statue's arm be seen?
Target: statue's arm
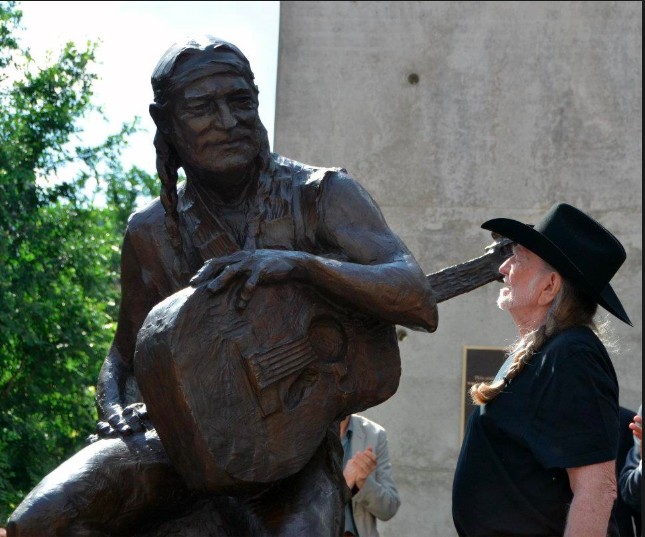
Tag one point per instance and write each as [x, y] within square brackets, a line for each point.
[380, 276]
[117, 369]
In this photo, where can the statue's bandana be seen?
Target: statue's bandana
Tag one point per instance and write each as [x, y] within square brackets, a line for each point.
[189, 65]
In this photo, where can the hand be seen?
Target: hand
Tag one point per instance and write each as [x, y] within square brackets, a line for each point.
[132, 419]
[252, 268]
[359, 467]
[637, 428]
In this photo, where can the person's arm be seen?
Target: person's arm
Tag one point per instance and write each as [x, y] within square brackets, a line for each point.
[376, 491]
[636, 427]
[576, 427]
[117, 371]
[594, 493]
[629, 481]
[373, 271]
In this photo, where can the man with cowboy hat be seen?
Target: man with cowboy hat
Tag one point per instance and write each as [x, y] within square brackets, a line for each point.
[538, 454]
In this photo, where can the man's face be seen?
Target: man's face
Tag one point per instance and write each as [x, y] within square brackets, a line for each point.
[213, 123]
[523, 275]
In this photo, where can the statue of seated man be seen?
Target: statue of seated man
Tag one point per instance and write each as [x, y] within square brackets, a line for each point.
[251, 294]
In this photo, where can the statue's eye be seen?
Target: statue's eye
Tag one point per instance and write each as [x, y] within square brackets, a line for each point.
[242, 101]
[199, 106]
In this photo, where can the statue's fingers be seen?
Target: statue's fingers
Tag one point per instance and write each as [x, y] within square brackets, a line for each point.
[210, 269]
[123, 428]
[142, 411]
[216, 265]
[119, 424]
[248, 289]
[131, 421]
[134, 425]
[222, 281]
[104, 430]
[143, 420]
[114, 419]
[220, 263]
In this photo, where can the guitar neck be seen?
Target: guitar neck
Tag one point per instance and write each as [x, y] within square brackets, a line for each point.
[459, 279]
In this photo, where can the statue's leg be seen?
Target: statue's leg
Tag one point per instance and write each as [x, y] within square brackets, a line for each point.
[111, 487]
[311, 502]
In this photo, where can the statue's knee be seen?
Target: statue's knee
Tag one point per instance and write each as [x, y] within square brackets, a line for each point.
[44, 512]
[12, 529]
[16, 527]
[28, 524]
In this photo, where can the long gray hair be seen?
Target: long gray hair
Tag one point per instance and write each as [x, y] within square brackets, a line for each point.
[571, 307]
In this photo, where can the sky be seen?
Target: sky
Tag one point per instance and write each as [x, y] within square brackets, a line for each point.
[132, 37]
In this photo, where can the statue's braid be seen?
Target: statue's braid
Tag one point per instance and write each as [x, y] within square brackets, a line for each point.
[167, 167]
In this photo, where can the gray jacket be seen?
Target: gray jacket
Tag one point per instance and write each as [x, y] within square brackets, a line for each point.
[378, 498]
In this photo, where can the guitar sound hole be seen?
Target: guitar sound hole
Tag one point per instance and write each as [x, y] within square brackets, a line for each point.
[328, 339]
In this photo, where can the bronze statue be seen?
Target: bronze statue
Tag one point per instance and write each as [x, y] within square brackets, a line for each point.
[258, 305]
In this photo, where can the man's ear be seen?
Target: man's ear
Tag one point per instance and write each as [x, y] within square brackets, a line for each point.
[551, 285]
[159, 115]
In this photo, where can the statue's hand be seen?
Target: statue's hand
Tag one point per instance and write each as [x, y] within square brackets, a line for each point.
[249, 268]
[133, 418]
[214, 267]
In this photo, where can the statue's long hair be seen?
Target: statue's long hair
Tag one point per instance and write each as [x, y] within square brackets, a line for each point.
[164, 86]
[571, 307]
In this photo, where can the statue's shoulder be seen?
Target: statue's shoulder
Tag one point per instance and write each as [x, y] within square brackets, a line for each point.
[306, 176]
[147, 220]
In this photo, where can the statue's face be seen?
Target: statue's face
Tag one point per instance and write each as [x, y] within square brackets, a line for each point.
[213, 123]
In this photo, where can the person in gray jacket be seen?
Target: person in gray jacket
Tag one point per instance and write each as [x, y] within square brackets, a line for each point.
[368, 474]
[629, 483]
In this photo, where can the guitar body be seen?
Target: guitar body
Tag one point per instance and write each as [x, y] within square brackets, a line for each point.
[245, 396]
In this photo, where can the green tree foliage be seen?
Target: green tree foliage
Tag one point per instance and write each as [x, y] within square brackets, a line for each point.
[59, 257]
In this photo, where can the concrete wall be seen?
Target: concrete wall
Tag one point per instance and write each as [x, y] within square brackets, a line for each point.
[451, 113]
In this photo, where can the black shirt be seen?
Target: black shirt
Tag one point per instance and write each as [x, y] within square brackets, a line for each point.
[560, 412]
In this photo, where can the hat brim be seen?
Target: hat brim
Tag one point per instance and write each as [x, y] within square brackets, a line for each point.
[540, 245]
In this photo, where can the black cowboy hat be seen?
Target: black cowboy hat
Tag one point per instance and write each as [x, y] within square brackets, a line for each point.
[575, 245]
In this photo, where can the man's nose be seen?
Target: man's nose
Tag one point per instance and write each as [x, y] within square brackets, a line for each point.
[504, 267]
[224, 118]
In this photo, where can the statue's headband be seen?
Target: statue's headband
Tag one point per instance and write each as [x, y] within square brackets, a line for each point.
[182, 64]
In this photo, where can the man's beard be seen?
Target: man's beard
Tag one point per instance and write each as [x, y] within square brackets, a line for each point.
[514, 298]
